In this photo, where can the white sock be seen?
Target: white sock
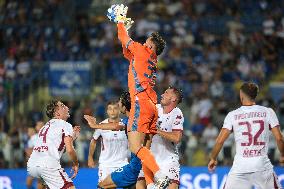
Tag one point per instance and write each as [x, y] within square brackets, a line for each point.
[159, 175]
[150, 186]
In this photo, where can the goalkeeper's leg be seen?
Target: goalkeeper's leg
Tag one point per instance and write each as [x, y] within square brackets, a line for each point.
[107, 183]
[124, 176]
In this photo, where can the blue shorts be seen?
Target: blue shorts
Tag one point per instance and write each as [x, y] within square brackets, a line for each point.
[128, 174]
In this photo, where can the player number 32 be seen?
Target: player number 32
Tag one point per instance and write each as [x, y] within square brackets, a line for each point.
[252, 139]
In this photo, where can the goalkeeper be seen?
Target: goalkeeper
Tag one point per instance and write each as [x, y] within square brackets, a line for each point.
[141, 80]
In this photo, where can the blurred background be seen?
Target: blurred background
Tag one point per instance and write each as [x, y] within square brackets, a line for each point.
[67, 49]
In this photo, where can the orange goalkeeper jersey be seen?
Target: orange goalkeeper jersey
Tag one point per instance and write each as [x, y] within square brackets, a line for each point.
[142, 66]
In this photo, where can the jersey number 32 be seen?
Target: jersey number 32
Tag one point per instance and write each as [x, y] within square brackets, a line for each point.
[252, 139]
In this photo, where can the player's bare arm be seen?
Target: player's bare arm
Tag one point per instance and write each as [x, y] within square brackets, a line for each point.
[72, 154]
[223, 135]
[174, 136]
[104, 126]
[280, 142]
[92, 147]
[76, 132]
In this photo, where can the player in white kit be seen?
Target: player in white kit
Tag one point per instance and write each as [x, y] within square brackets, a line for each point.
[32, 133]
[169, 133]
[114, 145]
[53, 138]
[251, 125]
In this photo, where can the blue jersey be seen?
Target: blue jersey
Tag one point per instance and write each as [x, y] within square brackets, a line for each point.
[128, 174]
[124, 121]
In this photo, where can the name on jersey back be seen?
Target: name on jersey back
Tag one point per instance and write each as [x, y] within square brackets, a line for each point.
[252, 152]
[249, 115]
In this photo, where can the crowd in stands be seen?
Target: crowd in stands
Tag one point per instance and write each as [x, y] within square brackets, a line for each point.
[212, 46]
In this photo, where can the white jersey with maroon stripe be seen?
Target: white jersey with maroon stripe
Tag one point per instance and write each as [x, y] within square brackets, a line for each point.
[164, 150]
[49, 145]
[114, 147]
[251, 127]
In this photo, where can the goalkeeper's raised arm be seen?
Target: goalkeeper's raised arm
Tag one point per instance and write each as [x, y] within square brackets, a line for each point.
[117, 14]
[123, 35]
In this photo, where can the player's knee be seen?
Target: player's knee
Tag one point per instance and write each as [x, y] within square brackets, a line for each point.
[40, 185]
[173, 185]
[135, 144]
[101, 185]
[134, 149]
[140, 184]
[29, 184]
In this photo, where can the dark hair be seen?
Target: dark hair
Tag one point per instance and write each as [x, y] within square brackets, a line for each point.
[250, 89]
[112, 102]
[178, 93]
[51, 107]
[125, 100]
[159, 42]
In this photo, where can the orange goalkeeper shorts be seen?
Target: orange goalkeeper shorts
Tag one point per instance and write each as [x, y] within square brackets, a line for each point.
[143, 116]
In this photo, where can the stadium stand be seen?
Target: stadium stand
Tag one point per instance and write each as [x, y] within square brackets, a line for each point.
[211, 46]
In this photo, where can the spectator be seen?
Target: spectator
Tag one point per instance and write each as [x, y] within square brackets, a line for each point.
[4, 142]
[209, 135]
[35, 115]
[10, 65]
[17, 153]
[23, 68]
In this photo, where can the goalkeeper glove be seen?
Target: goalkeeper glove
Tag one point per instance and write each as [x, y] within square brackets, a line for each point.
[117, 13]
[128, 23]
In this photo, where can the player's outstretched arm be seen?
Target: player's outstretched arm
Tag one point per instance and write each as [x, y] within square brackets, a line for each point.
[223, 135]
[117, 14]
[280, 142]
[123, 35]
[72, 154]
[104, 126]
[92, 147]
[112, 126]
[92, 122]
[174, 136]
